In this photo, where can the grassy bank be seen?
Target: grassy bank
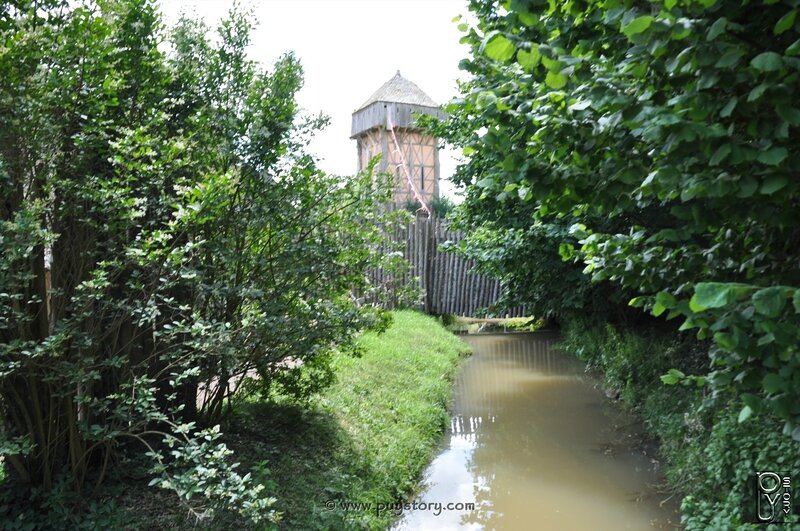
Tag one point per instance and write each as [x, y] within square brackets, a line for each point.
[368, 437]
[365, 439]
[710, 457]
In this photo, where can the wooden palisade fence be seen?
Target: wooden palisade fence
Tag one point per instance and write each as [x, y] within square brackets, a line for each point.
[445, 278]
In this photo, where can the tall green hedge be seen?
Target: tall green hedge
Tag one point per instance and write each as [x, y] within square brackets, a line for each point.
[654, 146]
[163, 233]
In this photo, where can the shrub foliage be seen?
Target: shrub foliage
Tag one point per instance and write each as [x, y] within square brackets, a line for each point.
[650, 148]
[655, 146]
[163, 234]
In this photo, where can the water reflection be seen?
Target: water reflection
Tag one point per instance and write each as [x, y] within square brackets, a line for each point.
[535, 446]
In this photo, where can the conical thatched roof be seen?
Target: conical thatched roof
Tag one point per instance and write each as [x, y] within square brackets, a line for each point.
[399, 90]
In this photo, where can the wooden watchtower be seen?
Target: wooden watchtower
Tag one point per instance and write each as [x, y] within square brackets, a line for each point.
[384, 125]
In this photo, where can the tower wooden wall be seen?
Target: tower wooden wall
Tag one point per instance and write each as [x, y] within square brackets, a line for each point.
[419, 151]
[387, 122]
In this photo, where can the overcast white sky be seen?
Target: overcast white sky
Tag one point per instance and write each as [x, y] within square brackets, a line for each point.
[349, 48]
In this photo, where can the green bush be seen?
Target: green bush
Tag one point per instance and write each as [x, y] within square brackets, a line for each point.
[30, 510]
[163, 233]
[533, 274]
[440, 207]
[655, 144]
[721, 492]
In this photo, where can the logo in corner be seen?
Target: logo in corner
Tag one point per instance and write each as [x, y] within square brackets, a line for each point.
[773, 497]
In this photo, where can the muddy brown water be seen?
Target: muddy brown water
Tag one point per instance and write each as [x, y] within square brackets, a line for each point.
[534, 444]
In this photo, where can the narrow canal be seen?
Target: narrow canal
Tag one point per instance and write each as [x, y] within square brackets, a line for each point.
[535, 445]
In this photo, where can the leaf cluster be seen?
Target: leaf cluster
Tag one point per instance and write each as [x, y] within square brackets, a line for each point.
[664, 138]
[165, 237]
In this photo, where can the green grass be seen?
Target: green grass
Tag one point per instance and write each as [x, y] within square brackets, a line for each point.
[367, 438]
[370, 435]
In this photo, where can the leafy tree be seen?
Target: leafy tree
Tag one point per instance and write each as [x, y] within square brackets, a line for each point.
[164, 236]
[663, 139]
[531, 271]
